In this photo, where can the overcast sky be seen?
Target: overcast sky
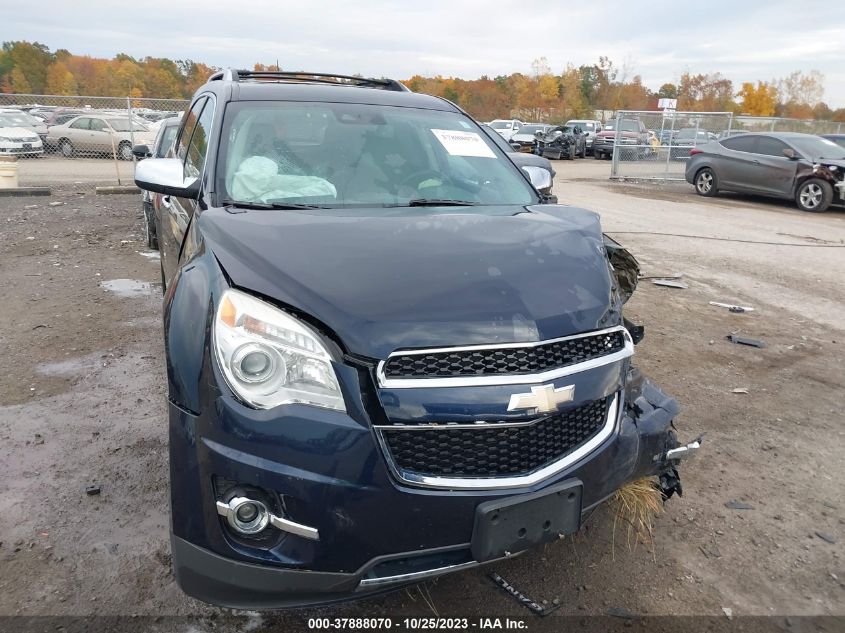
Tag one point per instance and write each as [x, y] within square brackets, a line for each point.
[744, 40]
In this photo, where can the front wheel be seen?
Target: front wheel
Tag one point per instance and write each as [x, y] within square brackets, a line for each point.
[66, 148]
[814, 195]
[596, 155]
[125, 151]
[706, 183]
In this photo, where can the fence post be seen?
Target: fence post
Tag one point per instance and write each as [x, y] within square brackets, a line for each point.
[614, 162]
[131, 128]
[671, 138]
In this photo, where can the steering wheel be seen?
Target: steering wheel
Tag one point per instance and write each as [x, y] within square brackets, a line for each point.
[418, 176]
[414, 180]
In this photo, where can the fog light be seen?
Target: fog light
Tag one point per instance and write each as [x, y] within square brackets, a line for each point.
[247, 516]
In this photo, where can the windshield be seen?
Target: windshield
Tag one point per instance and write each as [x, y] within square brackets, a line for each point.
[122, 125]
[690, 133]
[7, 121]
[340, 155]
[815, 147]
[501, 125]
[498, 140]
[22, 119]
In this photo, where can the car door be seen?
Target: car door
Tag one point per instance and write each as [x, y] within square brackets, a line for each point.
[99, 136]
[774, 173]
[77, 132]
[736, 163]
[176, 213]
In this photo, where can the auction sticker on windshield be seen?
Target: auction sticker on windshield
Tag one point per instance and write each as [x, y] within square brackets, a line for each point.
[463, 143]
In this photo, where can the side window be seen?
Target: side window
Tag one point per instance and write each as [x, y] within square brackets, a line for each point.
[188, 128]
[80, 124]
[770, 146]
[741, 143]
[168, 135]
[97, 125]
[198, 148]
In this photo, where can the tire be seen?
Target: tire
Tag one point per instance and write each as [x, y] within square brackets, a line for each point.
[150, 227]
[705, 183]
[124, 151]
[163, 282]
[66, 148]
[596, 155]
[814, 195]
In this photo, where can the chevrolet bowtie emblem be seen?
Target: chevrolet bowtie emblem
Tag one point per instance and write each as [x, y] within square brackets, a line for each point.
[542, 399]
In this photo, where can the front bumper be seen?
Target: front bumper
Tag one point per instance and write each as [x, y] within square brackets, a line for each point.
[376, 533]
[21, 149]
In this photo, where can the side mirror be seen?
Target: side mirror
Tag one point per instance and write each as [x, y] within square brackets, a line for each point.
[540, 178]
[166, 175]
[790, 153]
[141, 151]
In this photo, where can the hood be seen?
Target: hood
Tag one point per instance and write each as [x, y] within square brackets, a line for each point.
[523, 138]
[838, 163]
[19, 133]
[423, 278]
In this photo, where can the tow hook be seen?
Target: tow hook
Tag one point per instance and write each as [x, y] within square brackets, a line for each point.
[681, 452]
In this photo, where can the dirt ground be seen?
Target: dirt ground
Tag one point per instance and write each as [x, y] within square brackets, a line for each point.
[82, 402]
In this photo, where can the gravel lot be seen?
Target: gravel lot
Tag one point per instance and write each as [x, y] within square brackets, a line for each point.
[82, 402]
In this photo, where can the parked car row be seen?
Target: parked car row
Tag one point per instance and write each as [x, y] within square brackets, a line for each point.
[524, 136]
[76, 131]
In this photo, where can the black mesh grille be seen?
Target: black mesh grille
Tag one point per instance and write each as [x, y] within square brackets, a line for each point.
[489, 451]
[518, 360]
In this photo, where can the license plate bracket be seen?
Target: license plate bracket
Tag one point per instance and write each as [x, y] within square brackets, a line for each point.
[513, 524]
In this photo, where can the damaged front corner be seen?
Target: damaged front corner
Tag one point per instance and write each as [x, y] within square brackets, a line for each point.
[652, 412]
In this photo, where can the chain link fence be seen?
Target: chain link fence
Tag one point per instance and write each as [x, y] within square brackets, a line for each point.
[652, 145]
[79, 142]
[656, 145]
[776, 124]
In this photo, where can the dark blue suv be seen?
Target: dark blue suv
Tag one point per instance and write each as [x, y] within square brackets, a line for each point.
[387, 358]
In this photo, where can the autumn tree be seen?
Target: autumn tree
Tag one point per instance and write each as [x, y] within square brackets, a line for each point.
[706, 93]
[571, 84]
[32, 61]
[667, 91]
[60, 80]
[18, 82]
[759, 100]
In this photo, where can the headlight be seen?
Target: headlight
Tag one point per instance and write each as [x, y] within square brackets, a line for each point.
[270, 358]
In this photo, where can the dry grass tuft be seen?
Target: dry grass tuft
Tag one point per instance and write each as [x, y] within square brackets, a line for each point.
[637, 503]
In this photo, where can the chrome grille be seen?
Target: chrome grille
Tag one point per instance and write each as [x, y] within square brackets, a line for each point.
[487, 361]
[493, 450]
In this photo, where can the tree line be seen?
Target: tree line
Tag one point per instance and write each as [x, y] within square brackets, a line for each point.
[541, 95]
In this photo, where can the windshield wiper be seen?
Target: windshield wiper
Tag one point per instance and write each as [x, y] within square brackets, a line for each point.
[238, 204]
[444, 202]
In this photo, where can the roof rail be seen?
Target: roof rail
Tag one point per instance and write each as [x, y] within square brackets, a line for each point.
[231, 74]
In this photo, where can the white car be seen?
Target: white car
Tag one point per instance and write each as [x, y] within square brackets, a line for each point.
[18, 141]
[26, 121]
[98, 134]
[590, 127]
[506, 127]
